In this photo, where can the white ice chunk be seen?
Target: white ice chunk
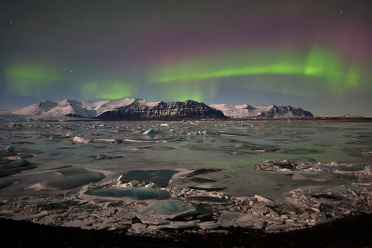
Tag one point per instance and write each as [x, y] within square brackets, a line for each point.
[263, 199]
[138, 228]
[82, 140]
[151, 131]
[259, 210]
[209, 225]
[181, 224]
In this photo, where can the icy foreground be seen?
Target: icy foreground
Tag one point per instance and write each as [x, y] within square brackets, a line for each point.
[148, 176]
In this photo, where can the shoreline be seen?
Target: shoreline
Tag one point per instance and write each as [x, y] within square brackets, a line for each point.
[353, 231]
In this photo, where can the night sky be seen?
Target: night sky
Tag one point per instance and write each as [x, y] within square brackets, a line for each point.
[312, 54]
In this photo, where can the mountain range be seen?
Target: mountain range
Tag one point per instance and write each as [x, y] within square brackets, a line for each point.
[140, 109]
[271, 111]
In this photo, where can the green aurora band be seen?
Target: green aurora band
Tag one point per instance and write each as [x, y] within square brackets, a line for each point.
[107, 90]
[322, 64]
[190, 90]
[31, 78]
[200, 77]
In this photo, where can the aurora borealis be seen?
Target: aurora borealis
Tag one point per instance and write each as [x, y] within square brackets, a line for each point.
[313, 54]
[321, 64]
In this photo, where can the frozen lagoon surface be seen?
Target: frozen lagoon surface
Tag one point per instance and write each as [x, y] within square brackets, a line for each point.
[147, 176]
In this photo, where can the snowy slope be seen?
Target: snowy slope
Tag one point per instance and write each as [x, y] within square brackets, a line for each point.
[36, 109]
[145, 103]
[70, 108]
[90, 105]
[110, 105]
[271, 111]
[113, 104]
[87, 109]
[241, 111]
[141, 108]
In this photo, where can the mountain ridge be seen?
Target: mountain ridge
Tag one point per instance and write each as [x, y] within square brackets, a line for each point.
[141, 109]
[265, 111]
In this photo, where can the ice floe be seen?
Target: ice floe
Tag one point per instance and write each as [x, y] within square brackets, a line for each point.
[159, 177]
[10, 166]
[69, 178]
[163, 208]
[183, 174]
[143, 193]
[151, 131]
[82, 140]
[160, 211]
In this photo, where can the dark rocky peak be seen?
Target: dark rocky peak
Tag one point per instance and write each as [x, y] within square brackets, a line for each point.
[250, 107]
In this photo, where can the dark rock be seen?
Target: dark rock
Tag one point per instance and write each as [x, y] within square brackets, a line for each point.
[168, 111]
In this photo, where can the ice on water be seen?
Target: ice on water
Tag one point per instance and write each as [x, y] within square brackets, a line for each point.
[132, 193]
[272, 175]
[162, 211]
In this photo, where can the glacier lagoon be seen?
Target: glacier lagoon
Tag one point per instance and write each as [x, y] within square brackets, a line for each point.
[148, 176]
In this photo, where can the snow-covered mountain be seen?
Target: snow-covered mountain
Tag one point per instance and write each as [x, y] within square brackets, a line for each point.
[110, 105]
[70, 108]
[140, 109]
[36, 109]
[247, 111]
[124, 109]
[144, 110]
